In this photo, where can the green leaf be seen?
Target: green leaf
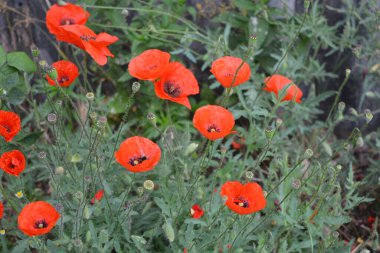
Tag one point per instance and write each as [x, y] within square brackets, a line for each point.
[164, 207]
[3, 56]
[29, 139]
[9, 77]
[16, 96]
[21, 61]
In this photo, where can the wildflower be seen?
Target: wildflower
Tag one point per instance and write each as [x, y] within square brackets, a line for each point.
[148, 184]
[176, 83]
[37, 218]
[10, 125]
[238, 144]
[98, 196]
[149, 65]
[214, 122]
[224, 69]
[94, 44]
[1, 210]
[138, 154]
[196, 211]
[2, 231]
[68, 14]
[243, 199]
[67, 73]
[276, 83]
[19, 194]
[13, 162]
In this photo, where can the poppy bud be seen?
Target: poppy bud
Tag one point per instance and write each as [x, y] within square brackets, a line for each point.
[90, 96]
[35, 51]
[52, 73]
[42, 155]
[249, 174]
[169, 231]
[360, 142]
[102, 122]
[59, 170]
[368, 115]
[76, 158]
[152, 118]
[125, 12]
[341, 106]
[336, 234]
[191, 148]
[353, 111]
[79, 195]
[278, 122]
[61, 3]
[93, 116]
[308, 153]
[3, 92]
[269, 133]
[135, 87]
[339, 167]
[86, 213]
[52, 117]
[149, 185]
[348, 72]
[306, 4]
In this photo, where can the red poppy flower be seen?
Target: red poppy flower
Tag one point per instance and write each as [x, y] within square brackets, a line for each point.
[176, 83]
[67, 73]
[196, 211]
[149, 64]
[98, 196]
[276, 83]
[214, 122]
[84, 38]
[1, 210]
[238, 144]
[68, 14]
[243, 199]
[224, 70]
[37, 218]
[12, 162]
[10, 125]
[370, 221]
[138, 154]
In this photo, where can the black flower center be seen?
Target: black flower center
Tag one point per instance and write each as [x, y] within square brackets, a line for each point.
[136, 160]
[213, 128]
[7, 128]
[87, 37]
[242, 202]
[67, 21]
[172, 90]
[40, 224]
[63, 79]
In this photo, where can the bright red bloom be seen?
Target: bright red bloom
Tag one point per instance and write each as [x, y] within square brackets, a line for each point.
[138, 154]
[176, 83]
[37, 218]
[243, 199]
[370, 221]
[10, 125]
[196, 211]
[12, 162]
[84, 38]
[67, 73]
[276, 83]
[214, 122]
[68, 14]
[1, 210]
[224, 70]
[238, 144]
[98, 196]
[149, 64]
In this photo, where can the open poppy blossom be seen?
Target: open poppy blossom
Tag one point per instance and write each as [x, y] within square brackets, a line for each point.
[224, 70]
[213, 121]
[196, 211]
[98, 196]
[149, 64]
[243, 199]
[37, 218]
[1, 210]
[276, 83]
[68, 14]
[83, 37]
[13, 162]
[10, 125]
[176, 83]
[138, 154]
[67, 73]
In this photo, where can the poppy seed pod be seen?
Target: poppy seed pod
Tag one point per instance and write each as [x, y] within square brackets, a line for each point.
[135, 87]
